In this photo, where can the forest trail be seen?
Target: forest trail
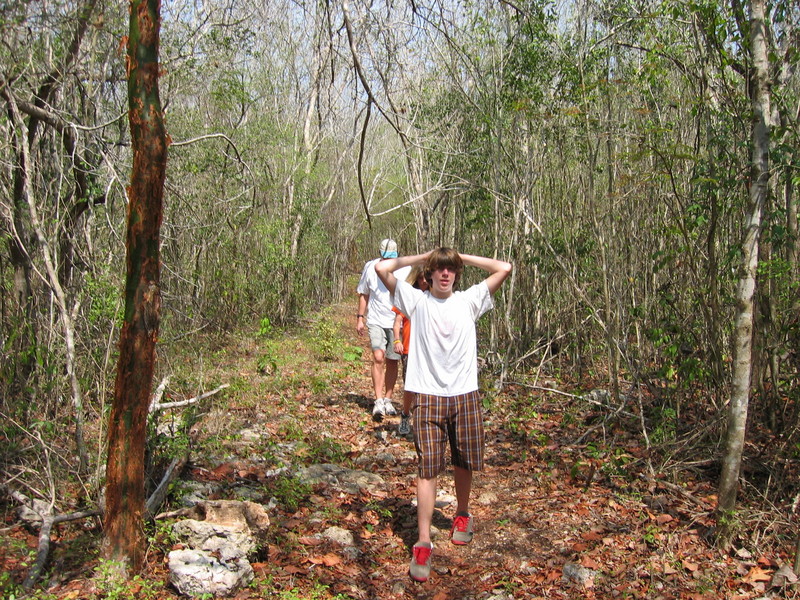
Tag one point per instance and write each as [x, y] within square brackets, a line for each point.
[555, 518]
[563, 509]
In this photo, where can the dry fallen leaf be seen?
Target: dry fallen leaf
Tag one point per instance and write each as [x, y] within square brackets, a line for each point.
[309, 540]
[579, 547]
[766, 561]
[328, 560]
[663, 518]
[757, 574]
[590, 563]
[783, 577]
[689, 566]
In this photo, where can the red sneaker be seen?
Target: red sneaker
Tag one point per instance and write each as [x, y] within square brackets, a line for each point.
[461, 532]
[420, 568]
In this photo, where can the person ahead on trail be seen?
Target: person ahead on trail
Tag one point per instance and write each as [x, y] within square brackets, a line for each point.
[375, 314]
[443, 375]
[402, 335]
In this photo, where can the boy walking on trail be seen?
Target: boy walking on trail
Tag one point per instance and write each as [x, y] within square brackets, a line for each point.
[375, 314]
[443, 374]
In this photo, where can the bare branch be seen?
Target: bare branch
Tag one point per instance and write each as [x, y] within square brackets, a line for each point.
[154, 407]
[160, 493]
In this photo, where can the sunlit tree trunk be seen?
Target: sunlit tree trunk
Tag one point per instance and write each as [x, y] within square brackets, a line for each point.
[743, 336]
[124, 541]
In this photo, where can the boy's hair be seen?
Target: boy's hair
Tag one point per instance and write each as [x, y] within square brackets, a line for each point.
[444, 257]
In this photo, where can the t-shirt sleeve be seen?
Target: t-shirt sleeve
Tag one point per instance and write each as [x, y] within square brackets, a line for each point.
[363, 283]
[406, 297]
[479, 299]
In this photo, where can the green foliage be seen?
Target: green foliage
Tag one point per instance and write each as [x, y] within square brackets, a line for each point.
[619, 129]
[229, 90]
[382, 512]
[167, 441]
[265, 327]
[521, 413]
[8, 588]
[677, 344]
[327, 343]
[174, 442]
[291, 430]
[319, 384]
[352, 354]
[318, 591]
[779, 272]
[112, 584]
[530, 64]
[615, 463]
[575, 469]
[729, 526]
[159, 535]
[651, 535]
[26, 556]
[269, 361]
[325, 449]
[665, 426]
[102, 289]
[289, 492]
[264, 587]
[509, 585]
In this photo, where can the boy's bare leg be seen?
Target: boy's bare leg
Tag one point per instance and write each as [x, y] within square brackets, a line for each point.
[463, 480]
[407, 399]
[426, 498]
[390, 377]
[378, 372]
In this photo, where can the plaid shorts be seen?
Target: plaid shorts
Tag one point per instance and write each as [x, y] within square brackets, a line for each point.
[439, 419]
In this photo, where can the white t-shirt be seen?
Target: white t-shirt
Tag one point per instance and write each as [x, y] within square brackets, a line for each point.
[379, 307]
[443, 354]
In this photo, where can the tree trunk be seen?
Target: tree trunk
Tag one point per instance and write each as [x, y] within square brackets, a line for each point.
[124, 540]
[743, 340]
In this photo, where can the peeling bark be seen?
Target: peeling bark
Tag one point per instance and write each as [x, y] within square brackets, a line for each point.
[125, 502]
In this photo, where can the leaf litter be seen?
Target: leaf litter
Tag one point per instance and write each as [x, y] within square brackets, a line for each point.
[553, 518]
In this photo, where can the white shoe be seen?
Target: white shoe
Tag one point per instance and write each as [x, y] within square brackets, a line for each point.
[378, 410]
[388, 407]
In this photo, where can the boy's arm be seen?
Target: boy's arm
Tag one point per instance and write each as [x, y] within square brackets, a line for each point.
[386, 268]
[398, 322]
[498, 269]
[396, 329]
[361, 318]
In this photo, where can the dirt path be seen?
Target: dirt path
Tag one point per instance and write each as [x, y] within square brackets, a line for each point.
[559, 514]
[553, 519]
